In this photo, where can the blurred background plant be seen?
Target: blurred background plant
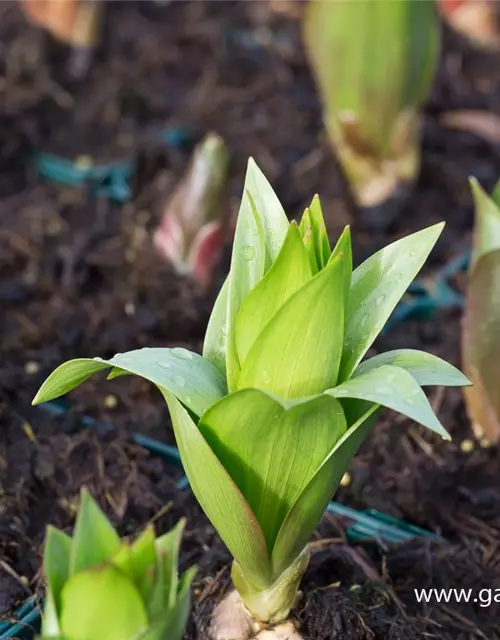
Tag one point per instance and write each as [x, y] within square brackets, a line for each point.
[481, 323]
[372, 87]
[478, 20]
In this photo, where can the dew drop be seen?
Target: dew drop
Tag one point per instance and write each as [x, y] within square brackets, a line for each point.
[181, 353]
[413, 252]
[178, 380]
[379, 300]
[248, 252]
[164, 365]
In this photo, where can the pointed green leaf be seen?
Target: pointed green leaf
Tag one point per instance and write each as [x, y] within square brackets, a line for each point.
[486, 236]
[426, 368]
[50, 618]
[67, 377]
[56, 558]
[191, 378]
[168, 547]
[308, 509]
[94, 539]
[344, 247]
[377, 286]
[270, 452]
[215, 343]
[396, 389]
[138, 562]
[219, 497]
[321, 242]
[260, 231]
[287, 274]
[298, 353]
[102, 603]
[495, 196]
[171, 623]
[307, 236]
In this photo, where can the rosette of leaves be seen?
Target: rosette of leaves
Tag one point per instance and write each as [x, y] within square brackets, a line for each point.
[99, 586]
[269, 417]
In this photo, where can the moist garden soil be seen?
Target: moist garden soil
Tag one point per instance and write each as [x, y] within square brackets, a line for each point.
[79, 277]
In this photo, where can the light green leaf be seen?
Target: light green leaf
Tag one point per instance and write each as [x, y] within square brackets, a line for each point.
[344, 247]
[56, 558]
[307, 236]
[191, 378]
[308, 509]
[377, 286]
[270, 452]
[298, 353]
[168, 547]
[320, 236]
[426, 368]
[50, 618]
[396, 389]
[170, 624]
[67, 377]
[102, 603]
[261, 228]
[287, 274]
[486, 236]
[94, 539]
[138, 561]
[215, 343]
[219, 497]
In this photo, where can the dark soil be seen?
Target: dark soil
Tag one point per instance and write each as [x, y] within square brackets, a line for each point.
[79, 277]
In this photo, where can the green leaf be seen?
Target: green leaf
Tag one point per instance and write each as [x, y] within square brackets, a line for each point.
[50, 618]
[260, 231]
[215, 343]
[307, 236]
[426, 368]
[94, 539]
[298, 353]
[191, 378]
[67, 377]
[287, 274]
[171, 623]
[344, 247]
[270, 452]
[320, 236]
[377, 286]
[486, 236]
[102, 603]
[219, 497]
[56, 558]
[309, 507]
[168, 547]
[138, 562]
[396, 389]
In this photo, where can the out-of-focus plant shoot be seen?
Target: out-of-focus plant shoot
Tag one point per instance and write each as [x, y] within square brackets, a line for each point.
[374, 64]
[99, 586]
[478, 20]
[481, 326]
[76, 23]
[194, 222]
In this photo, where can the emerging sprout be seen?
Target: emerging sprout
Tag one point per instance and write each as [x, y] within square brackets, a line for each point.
[481, 327]
[74, 22]
[101, 587]
[374, 64]
[478, 20]
[193, 225]
[268, 419]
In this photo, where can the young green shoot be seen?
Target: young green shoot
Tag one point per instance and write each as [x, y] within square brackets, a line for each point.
[481, 325]
[268, 419]
[194, 221]
[374, 64]
[99, 586]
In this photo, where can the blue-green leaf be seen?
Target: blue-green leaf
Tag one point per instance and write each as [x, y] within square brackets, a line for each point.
[396, 389]
[427, 369]
[191, 378]
[377, 286]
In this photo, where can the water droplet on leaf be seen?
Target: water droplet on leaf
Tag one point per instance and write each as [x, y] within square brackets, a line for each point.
[248, 252]
[179, 381]
[379, 300]
[181, 353]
